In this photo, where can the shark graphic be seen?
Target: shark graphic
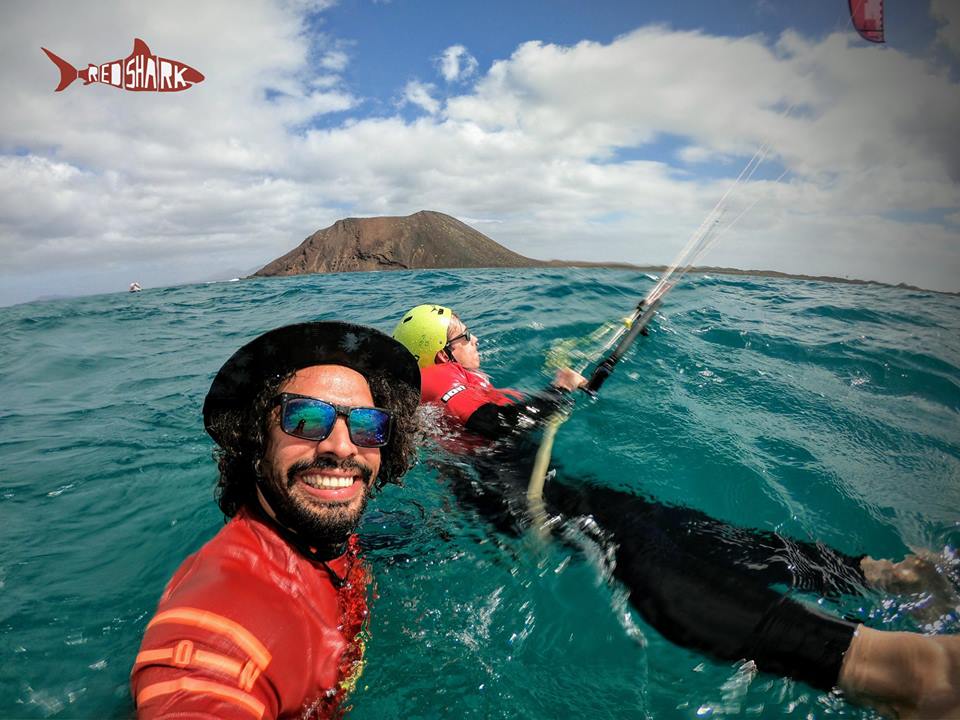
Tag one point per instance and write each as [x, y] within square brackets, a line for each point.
[141, 71]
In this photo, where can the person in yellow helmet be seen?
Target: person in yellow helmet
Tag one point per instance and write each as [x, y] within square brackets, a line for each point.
[449, 358]
[700, 582]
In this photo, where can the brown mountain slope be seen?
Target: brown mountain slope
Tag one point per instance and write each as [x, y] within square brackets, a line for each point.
[426, 239]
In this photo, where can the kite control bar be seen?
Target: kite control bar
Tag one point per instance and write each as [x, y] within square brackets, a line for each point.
[636, 325]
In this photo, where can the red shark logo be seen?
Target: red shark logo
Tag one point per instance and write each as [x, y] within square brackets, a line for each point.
[139, 71]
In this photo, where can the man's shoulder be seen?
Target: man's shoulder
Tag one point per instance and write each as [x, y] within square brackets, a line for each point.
[238, 567]
[243, 587]
[442, 370]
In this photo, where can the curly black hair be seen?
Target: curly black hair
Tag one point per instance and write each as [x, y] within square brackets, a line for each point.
[243, 439]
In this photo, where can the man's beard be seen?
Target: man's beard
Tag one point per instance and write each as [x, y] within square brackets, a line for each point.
[324, 525]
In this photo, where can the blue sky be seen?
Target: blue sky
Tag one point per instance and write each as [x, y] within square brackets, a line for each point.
[409, 33]
[572, 130]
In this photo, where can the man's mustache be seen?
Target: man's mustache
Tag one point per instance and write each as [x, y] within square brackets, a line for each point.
[327, 463]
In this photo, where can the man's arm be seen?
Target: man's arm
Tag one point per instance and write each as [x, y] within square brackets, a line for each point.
[705, 585]
[903, 675]
[234, 649]
[503, 421]
[497, 420]
[196, 663]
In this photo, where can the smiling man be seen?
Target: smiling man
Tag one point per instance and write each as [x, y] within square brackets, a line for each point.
[266, 620]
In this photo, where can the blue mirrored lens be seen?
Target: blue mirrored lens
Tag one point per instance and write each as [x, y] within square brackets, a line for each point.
[307, 418]
[369, 427]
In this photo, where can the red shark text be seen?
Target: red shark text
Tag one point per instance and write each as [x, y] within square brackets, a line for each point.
[140, 71]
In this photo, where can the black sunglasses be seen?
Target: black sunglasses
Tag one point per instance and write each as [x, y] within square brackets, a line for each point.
[465, 335]
[313, 419]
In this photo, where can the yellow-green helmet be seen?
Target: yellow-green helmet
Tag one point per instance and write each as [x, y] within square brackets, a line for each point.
[423, 331]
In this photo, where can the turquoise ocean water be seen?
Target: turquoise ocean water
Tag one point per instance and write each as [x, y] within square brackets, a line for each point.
[823, 411]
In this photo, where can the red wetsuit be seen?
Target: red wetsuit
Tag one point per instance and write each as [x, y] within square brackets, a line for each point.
[250, 628]
[461, 392]
[468, 398]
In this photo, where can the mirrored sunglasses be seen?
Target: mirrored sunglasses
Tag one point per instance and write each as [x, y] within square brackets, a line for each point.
[313, 419]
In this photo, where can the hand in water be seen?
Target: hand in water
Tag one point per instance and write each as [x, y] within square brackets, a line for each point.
[567, 379]
[923, 573]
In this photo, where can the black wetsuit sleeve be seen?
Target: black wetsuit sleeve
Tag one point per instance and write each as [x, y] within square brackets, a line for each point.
[706, 585]
[729, 615]
[501, 421]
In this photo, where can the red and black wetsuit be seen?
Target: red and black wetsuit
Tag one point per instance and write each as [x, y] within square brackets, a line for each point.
[248, 628]
[700, 582]
[468, 398]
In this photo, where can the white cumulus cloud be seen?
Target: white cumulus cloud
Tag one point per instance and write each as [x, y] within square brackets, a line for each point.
[335, 61]
[456, 64]
[419, 94]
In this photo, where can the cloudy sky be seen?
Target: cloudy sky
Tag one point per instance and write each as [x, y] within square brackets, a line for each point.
[562, 129]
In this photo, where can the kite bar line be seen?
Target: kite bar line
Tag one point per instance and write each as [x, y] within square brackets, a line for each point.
[703, 238]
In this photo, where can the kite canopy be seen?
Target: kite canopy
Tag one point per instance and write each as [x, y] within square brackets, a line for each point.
[867, 18]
